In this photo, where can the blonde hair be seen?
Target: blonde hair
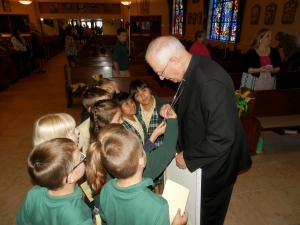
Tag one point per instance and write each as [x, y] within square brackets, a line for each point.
[52, 126]
[256, 40]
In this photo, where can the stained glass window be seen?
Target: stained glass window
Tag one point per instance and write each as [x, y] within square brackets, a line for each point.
[224, 20]
[178, 17]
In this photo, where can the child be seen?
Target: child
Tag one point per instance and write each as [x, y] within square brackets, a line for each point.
[55, 166]
[148, 107]
[158, 160]
[58, 125]
[126, 199]
[103, 112]
[135, 123]
[89, 97]
[108, 85]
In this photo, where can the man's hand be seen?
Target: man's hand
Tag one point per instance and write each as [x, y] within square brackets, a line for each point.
[180, 163]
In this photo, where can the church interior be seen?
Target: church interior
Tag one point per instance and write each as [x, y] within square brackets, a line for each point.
[266, 194]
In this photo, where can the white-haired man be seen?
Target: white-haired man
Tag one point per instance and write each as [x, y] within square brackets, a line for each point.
[211, 136]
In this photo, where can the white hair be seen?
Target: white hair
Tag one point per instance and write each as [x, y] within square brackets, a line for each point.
[164, 48]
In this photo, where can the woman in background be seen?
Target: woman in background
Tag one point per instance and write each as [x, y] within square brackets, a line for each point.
[20, 46]
[70, 45]
[198, 47]
[259, 66]
[37, 48]
[261, 63]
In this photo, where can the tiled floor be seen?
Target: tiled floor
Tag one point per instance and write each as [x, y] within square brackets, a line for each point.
[269, 193]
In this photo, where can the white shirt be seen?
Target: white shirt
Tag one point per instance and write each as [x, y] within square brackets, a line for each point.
[18, 46]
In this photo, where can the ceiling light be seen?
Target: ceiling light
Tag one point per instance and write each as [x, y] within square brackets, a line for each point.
[126, 2]
[25, 2]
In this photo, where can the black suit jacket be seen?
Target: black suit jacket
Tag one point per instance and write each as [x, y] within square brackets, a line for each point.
[210, 132]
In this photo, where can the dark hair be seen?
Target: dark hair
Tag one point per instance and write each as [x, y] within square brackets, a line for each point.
[103, 50]
[50, 162]
[15, 34]
[199, 34]
[68, 30]
[121, 30]
[102, 112]
[279, 36]
[92, 95]
[122, 97]
[137, 84]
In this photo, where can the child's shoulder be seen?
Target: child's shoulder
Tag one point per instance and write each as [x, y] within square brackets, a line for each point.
[160, 101]
[37, 190]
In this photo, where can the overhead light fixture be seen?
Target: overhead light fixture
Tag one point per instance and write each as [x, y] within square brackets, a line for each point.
[126, 2]
[42, 19]
[26, 2]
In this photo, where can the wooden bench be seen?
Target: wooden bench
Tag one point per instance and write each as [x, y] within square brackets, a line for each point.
[269, 110]
[75, 75]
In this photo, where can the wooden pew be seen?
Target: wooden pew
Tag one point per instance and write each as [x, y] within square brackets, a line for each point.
[84, 75]
[3, 80]
[269, 110]
[12, 65]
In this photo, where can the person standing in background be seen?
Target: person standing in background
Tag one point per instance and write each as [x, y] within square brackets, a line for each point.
[198, 47]
[120, 55]
[20, 46]
[37, 48]
[70, 46]
[291, 49]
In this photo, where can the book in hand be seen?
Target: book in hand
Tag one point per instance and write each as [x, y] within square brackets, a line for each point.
[176, 196]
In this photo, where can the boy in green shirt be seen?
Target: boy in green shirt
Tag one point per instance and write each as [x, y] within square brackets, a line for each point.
[55, 166]
[120, 55]
[127, 199]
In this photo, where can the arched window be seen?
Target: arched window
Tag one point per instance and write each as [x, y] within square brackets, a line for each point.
[177, 17]
[224, 20]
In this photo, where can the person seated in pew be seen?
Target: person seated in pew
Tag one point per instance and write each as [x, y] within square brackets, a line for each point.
[291, 49]
[198, 47]
[126, 199]
[102, 52]
[89, 97]
[106, 112]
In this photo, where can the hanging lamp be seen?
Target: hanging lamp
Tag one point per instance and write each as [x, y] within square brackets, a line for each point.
[26, 2]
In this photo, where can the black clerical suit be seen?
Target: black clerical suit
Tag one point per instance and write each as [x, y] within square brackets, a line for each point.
[211, 135]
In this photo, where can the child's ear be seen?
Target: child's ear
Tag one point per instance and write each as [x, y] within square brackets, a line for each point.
[142, 162]
[70, 178]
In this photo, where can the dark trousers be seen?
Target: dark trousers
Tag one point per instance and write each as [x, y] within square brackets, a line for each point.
[214, 207]
[25, 58]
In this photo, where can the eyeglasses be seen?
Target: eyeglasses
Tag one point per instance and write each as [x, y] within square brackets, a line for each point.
[162, 72]
[83, 158]
[175, 99]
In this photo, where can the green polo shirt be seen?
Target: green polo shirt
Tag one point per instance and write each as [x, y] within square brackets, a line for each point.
[120, 55]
